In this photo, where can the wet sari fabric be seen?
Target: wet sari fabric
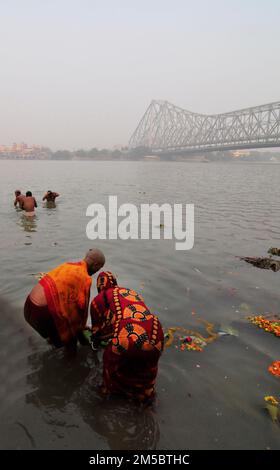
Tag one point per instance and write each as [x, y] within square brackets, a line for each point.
[131, 358]
[67, 289]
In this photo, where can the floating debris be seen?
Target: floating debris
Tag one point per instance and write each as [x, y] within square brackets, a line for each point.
[227, 331]
[192, 340]
[169, 337]
[245, 307]
[274, 369]
[192, 343]
[274, 251]
[271, 325]
[271, 399]
[272, 406]
[273, 412]
[262, 263]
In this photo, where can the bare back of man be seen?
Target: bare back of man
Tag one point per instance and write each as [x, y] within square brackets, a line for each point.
[18, 199]
[29, 204]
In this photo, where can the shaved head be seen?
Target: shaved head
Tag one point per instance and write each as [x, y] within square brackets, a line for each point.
[95, 259]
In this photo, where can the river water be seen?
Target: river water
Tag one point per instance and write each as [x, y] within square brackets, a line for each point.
[205, 400]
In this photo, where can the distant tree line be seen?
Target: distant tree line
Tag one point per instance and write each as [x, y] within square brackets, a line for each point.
[139, 153]
[103, 154]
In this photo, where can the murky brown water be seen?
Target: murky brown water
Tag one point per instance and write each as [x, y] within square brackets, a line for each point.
[211, 399]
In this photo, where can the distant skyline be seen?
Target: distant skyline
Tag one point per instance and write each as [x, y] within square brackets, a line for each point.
[80, 74]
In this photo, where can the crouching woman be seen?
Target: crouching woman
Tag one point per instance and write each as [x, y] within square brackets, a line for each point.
[130, 361]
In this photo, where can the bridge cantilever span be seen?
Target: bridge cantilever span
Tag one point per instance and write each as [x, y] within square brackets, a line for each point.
[165, 127]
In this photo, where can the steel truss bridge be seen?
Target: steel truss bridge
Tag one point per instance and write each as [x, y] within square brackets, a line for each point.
[167, 128]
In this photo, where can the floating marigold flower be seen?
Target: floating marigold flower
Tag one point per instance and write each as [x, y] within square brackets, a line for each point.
[275, 368]
[193, 346]
[269, 325]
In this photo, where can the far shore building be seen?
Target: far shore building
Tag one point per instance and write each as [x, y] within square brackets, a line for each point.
[23, 151]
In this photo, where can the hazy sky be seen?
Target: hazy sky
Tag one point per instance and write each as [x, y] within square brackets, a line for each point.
[81, 73]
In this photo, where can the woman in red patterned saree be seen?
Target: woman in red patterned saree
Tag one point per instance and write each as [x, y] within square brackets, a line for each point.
[130, 361]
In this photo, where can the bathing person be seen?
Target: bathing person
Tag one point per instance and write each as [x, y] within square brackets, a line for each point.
[18, 198]
[50, 196]
[57, 307]
[28, 204]
[130, 360]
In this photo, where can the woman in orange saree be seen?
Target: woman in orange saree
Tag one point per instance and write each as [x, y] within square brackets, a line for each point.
[130, 361]
[57, 307]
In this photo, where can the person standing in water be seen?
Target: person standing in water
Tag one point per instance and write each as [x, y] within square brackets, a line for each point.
[19, 198]
[50, 196]
[28, 204]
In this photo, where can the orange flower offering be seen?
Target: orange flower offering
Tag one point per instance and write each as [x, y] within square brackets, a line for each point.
[275, 368]
[266, 324]
[190, 344]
